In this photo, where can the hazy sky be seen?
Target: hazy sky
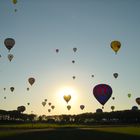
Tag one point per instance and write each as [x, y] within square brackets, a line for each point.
[41, 26]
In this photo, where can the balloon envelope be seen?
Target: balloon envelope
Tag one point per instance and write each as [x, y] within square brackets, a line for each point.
[129, 95]
[138, 100]
[67, 98]
[68, 107]
[9, 43]
[31, 80]
[112, 107]
[52, 107]
[49, 103]
[115, 45]
[74, 49]
[102, 93]
[43, 103]
[57, 50]
[49, 110]
[10, 57]
[12, 89]
[115, 75]
[82, 107]
[14, 1]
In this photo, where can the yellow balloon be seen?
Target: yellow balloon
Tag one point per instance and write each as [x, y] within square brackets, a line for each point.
[67, 98]
[115, 45]
[14, 1]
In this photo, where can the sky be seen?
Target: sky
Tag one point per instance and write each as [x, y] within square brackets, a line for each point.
[39, 27]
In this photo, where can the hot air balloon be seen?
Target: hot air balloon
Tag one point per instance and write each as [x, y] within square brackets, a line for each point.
[115, 75]
[73, 77]
[115, 45]
[28, 88]
[57, 50]
[10, 57]
[31, 80]
[12, 89]
[28, 103]
[45, 100]
[82, 107]
[102, 93]
[4, 97]
[99, 110]
[43, 103]
[92, 75]
[49, 104]
[112, 108]
[52, 107]
[49, 110]
[134, 108]
[14, 1]
[68, 107]
[4, 89]
[73, 61]
[9, 43]
[138, 100]
[113, 98]
[67, 98]
[129, 95]
[74, 49]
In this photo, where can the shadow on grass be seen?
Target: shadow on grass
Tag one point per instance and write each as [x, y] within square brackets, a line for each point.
[70, 134]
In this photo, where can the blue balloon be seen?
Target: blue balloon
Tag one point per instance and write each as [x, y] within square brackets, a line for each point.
[102, 93]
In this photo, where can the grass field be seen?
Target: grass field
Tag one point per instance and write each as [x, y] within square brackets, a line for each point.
[68, 132]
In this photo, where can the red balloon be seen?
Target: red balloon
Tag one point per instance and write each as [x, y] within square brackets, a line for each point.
[102, 93]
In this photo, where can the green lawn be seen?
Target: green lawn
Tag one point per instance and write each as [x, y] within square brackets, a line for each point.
[68, 132]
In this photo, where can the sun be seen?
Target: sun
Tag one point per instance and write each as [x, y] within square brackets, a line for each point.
[68, 91]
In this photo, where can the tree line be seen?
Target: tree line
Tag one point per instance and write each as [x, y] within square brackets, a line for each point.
[114, 117]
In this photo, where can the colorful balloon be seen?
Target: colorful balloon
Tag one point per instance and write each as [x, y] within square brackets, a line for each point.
[9, 43]
[67, 98]
[115, 45]
[31, 80]
[102, 93]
